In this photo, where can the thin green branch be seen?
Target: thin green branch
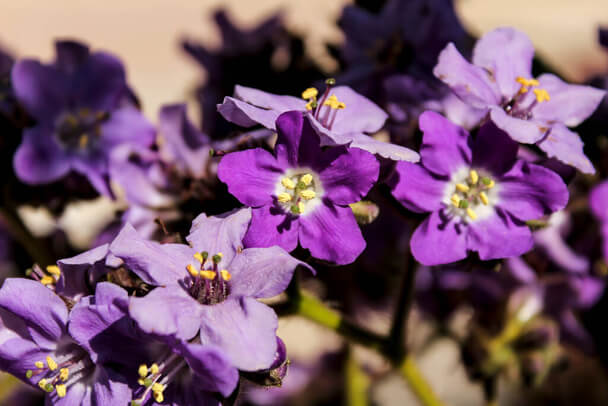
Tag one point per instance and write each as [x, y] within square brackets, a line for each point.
[356, 382]
[416, 381]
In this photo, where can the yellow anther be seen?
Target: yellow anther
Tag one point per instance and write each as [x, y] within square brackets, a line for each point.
[474, 176]
[42, 383]
[484, 198]
[341, 105]
[47, 280]
[310, 105]
[491, 184]
[225, 275]
[310, 93]
[199, 257]
[141, 382]
[157, 387]
[64, 374]
[471, 214]
[83, 141]
[306, 179]
[526, 82]
[154, 369]
[455, 200]
[219, 254]
[158, 397]
[208, 274]
[51, 363]
[39, 364]
[308, 194]
[53, 270]
[142, 371]
[61, 389]
[284, 197]
[301, 207]
[288, 183]
[541, 95]
[332, 102]
[192, 271]
[461, 187]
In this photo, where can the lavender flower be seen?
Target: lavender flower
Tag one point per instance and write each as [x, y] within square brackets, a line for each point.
[210, 288]
[533, 111]
[340, 116]
[36, 346]
[301, 193]
[82, 109]
[598, 202]
[479, 194]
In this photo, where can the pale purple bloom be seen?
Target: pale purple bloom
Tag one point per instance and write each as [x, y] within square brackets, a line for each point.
[210, 288]
[81, 104]
[346, 120]
[533, 111]
[598, 202]
[36, 346]
[478, 193]
[301, 192]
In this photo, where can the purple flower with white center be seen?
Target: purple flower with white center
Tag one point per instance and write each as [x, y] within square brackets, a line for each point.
[598, 202]
[82, 112]
[478, 192]
[36, 346]
[532, 111]
[340, 116]
[210, 288]
[163, 371]
[302, 192]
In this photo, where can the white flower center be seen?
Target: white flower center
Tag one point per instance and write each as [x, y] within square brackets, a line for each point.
[471, 194]
[299, 191]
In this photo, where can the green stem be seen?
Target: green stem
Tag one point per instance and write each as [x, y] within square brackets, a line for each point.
[357, 382]
[412, 375]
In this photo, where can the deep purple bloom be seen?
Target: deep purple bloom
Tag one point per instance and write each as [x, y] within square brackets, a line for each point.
[178, 373]
[340, 116]
[477, 191]
[301, 192]
[598, 202]
[81, 104]
[533, 111]
[36, 346]
[210, 288]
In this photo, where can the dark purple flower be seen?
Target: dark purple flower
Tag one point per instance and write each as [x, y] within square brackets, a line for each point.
[533, 111]
[82, 112]
[598, 202]
[479, 194]
[301, 192]
[340, 116]
[36, 346]
[210, 288]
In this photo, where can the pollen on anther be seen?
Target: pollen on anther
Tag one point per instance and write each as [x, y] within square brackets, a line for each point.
[39, 364]
[288, 183]
[199, 257]
[154, 368]
[64, 374]
[53, 270]
[474, 176]
[308, 194]
[225, 275]
[455, 200]
[51, 363]
[61, 390]
[310, 93]
[284, 197]
[471, 214]
[192, 271]
[142, 371]
[209, 274]
[541, 95]
[484, 198]
[47, 280]
[306, 179]
[461, 187]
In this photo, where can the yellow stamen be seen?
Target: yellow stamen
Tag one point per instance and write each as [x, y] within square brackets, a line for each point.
[51, 363]
[308, 194]
[288, 183]
[47, 280]
[455, 200]
[53, 270]
[61, 389]
[310, 105]
[341, 105]
[526, 82]
[306, 179]
[491, 184]
[332, 102]
[471, 214]
[157, 387]
[83, 141]
[209, 274]
[39, 364]
[141, 382]
[474, 176]
[154, 369]
[192, 271]
[159, 397]
[541, 95]
[225, 275]
[461, 187]
[284, 197]
[64, 374]
[219, 254]
[484, 198]
[42, 383]
[142, 371]
[310, 93]
[301, 207]
[199, 257]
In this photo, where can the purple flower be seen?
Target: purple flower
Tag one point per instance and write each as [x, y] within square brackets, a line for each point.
[340, 116]
[210, 288]
[530, 110]
[162, 371]
[36, 346]
[82, 112]
[301, 192]
[598, 202]
[479, 194]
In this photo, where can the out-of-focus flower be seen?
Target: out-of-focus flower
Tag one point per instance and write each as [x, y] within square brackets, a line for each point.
[598, 202]
[532, 111]
[301, 192]
[81, 104]
[478, 192]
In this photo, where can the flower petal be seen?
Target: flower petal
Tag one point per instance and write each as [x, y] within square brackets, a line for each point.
[438, 240]
[271, 225]
[80, 272]
[417, 189]
[524, 131]
[244, 329]
[246, 115]
[127, 125]
[297, 141]
[360, 115]
[566, 146]
[499, 236]
[494, 150]
[331, 233]
[598, 201]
